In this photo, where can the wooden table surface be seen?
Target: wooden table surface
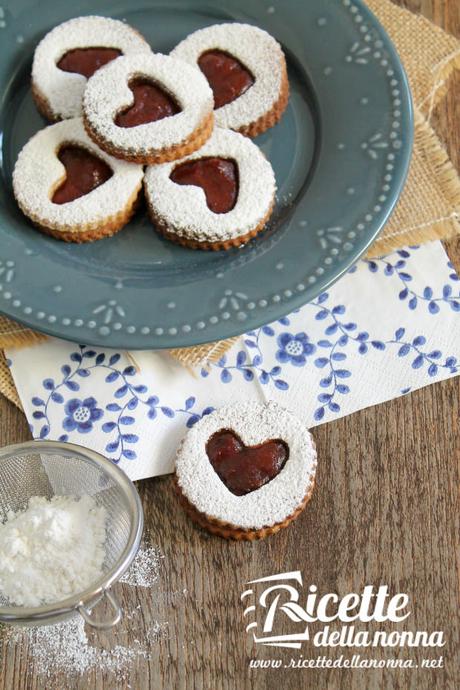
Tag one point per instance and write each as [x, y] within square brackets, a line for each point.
[385, 511]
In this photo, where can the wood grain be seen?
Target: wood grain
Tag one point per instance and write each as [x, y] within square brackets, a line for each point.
[385, 511]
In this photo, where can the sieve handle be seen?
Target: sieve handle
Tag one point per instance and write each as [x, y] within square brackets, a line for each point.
[87, 615]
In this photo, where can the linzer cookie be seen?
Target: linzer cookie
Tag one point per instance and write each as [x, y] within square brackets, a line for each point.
[219, 197]
[246, 69]
[72, 190]
[70, 54]
[246, 471]
[148, 108]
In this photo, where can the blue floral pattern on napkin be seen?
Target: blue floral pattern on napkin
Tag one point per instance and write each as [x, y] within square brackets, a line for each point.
[126, 396]
[389, 326]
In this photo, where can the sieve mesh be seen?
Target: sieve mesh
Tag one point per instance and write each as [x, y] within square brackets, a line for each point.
[43, 474]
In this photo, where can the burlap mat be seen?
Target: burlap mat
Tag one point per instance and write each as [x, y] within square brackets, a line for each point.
[429, 207]
[7, 386]
[428, 53]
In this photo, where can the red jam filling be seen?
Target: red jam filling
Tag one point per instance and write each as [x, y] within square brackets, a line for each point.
[86, 61]
[151, 103]
[227, 77]
[218, 177]
[245, 468]
[84, 172]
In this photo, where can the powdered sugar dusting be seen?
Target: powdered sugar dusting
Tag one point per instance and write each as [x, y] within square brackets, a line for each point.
[259, 52]
[51, 550]
[184, 207]
[254, 423]
[145, 568]
[64, 90]
[38, 171]
[108, 92]
[67, 649]
[66, 646]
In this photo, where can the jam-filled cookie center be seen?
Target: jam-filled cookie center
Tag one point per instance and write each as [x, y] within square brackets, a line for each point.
[227, 76]
[86, 61]
[218, 178]
[84, 172]
[151, 103]
[245, 468]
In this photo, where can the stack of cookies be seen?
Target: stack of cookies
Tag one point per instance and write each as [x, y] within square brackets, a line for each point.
[176, 125]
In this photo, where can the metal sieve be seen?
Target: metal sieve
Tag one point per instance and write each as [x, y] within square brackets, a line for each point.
[49, 468]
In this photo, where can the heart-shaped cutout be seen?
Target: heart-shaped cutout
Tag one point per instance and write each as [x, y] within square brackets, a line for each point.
[86, 61]
[217, 177]
[84, 172]
[245, 468]
[151, 103]
[227, 76]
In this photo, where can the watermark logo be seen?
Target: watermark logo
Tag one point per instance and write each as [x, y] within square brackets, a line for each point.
[271, 600]
[268, 601]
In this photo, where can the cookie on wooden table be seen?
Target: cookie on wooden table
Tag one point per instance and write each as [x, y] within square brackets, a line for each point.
[246, 471]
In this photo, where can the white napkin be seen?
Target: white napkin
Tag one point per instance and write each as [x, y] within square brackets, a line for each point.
[388, 327]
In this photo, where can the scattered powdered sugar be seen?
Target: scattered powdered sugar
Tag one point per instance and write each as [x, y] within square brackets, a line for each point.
[158, 631]
[108, 92]
[62, 90]
[183, 207]
[145, 568]
[51, 550]
[254, 423]
[259, 52]
[66, 648]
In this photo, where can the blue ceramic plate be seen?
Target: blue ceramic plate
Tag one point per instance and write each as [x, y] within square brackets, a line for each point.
[340, 156]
